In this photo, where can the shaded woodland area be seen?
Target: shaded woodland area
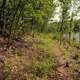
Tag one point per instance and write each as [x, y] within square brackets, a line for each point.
[39, 39]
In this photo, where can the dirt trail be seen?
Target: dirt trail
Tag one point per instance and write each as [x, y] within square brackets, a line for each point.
[61, 69]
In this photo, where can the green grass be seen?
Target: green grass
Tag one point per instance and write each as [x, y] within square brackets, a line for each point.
[47, 42]
[75, 44]
[45, 67]
[65, 53]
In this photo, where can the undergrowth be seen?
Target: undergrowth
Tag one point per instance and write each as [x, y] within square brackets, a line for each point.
[36, 62]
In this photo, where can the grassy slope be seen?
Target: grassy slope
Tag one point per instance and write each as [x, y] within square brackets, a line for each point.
[34, 62]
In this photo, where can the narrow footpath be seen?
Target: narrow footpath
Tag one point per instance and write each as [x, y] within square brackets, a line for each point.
[61, 64]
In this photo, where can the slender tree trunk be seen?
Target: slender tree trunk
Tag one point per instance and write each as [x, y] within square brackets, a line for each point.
[61, 28]
[10, 29]
[79, 36]
[2, 17]
[71, 25]
[18, 17]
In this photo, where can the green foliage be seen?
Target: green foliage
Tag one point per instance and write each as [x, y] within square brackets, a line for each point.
[21, 16]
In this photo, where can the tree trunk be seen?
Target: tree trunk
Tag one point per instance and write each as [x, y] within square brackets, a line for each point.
[10, 29]
[2, 17]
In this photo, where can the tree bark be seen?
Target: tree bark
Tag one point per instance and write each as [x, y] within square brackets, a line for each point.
[2, 17]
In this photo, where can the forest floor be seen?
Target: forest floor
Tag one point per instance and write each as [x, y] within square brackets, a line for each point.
[41, 58]
[28, 59]
[62, 64]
